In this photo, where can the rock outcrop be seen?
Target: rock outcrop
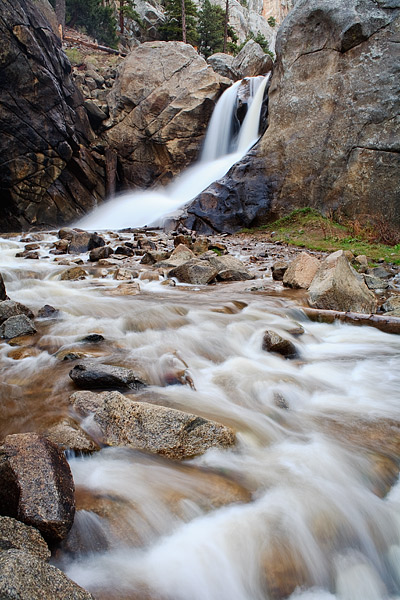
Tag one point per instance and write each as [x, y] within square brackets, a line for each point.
[333, 138]
[159, 108]
[47, 173]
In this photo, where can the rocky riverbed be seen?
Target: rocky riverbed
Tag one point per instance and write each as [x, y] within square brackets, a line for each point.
[182, 378]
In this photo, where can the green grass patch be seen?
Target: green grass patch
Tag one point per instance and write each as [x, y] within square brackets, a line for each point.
[307, 228]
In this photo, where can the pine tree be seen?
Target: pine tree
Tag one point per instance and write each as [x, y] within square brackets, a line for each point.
[96, 19]
[211, 28]
[172, 28]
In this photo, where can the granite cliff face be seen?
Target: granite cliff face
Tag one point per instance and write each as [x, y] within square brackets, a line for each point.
[159, 108]
[333, 139]
[48, 175]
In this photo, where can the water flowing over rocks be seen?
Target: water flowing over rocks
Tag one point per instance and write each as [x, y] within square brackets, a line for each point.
[47, 172]
[273, 342]
[159, 108]
[36, 484]
[157, 429]
[332, 139]
[337, 287]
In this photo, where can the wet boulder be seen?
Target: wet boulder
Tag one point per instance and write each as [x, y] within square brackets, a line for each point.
[48, 312]
[229, 268]
[14, 534]
[91, 375]
[17, 326]
[336, 286]
[195, 271]
[301, 271]
[36, 484]
[279, 269]
[9, 308]
[273, 342]
[3, 294]
[74, 274]
[26, 577]
[69, 436]
[223, 65]
[157, 429]
[100, 253]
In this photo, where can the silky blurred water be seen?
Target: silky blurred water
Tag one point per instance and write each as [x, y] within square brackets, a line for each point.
[305, 505]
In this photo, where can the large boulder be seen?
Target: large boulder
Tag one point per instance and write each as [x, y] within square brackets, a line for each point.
[159, 108]
[301, 271]
[157, 429]
[14, 534]
[9, 308]
[36, 484]
[47, 172]
[223, 65]
[336, 286]
[333, 138]
[16, 326]
[90, 375]
[252, 61]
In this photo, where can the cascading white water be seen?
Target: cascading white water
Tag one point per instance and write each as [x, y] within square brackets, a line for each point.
[222, 149]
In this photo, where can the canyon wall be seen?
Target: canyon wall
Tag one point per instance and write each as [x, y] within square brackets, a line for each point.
[333, 141]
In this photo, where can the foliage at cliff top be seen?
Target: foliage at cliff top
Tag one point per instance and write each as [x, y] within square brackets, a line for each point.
[307, 228]
[97, 20]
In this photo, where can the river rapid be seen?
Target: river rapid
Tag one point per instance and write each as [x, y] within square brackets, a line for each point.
[305, 505]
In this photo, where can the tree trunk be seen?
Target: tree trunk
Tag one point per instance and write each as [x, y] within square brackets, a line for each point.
[383, 322]
[121, 16]
[226, 25]
[60, 14]
[183, 21]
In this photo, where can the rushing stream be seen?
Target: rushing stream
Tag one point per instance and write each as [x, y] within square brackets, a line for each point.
[304, 497]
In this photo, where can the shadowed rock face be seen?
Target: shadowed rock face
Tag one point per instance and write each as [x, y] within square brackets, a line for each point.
[47, 173]
[333, 139]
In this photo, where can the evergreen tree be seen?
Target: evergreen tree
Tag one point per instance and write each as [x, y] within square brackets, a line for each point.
[96, 19]
[172, 28]
[211, 28]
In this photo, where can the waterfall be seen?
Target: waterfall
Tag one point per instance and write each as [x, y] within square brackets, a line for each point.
[223, 147]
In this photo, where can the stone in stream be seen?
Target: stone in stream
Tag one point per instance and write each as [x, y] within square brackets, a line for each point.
[99, 253]
[273, 342]
[279, 269]
[82, 241]
[195, 271]
[36, 484]
[178, 257]
[9, 308]
[69, 436]
[152, 428]
[301, 271]
[336, 286]
[74, 274]
[229, 268]
[91, 375]
[23, 576]
[3, 293]
[48, 312]
[17, 326]
[392, 306]
[14, 534]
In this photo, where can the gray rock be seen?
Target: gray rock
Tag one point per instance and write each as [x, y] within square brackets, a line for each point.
[301, 271]
[82, 241]
[157, 429]
[48, 312]
[252, 61]
[9, 308]
[278, 270]
[337, 287]
[273, 342]
[91, 375]
[23, 576]
[375, 283]
[16, 326]
[100, 253]
[223, 65]
[380, 272]
[229, 268]
[36, 484]
[14, 534]
[95, 114]
[195, 271]
[392, 305]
